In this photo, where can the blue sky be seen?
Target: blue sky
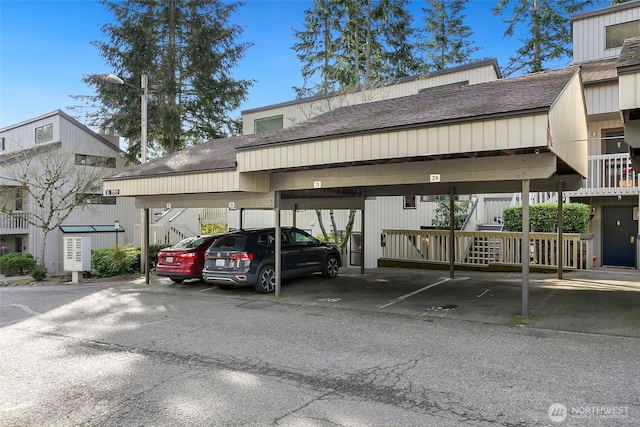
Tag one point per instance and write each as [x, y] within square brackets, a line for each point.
[45, 49]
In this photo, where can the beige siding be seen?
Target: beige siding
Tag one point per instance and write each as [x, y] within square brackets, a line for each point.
[212, 182]
[589, 34]
[568, 127]
[602, 99]
[299, 111]
[595, 133]
[510, 133]
[629, 87]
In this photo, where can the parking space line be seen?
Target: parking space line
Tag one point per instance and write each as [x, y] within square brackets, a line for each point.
[208, 289]
[400, 298]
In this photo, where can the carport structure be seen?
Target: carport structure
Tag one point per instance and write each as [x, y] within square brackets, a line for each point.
[520, 134]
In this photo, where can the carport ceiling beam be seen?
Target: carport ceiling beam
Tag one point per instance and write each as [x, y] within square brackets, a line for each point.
[502, 168]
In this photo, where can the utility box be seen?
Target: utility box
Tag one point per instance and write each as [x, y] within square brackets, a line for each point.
[77, 255]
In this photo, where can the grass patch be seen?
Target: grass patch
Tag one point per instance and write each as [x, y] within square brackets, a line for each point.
[517, 320]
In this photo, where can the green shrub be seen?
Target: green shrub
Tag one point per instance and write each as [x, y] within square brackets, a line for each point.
[543, 218]
[38, 273]
[113, 261]
[213, 228]
[16, 263]
[153, 253]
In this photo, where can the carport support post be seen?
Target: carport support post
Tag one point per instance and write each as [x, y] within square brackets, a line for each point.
[525, 248]
[278, 255]
[560, 231]
[452, 233]
[146, 245]
[362, 251]
[295, 209]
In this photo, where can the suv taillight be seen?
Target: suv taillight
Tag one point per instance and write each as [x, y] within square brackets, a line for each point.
[241, 256]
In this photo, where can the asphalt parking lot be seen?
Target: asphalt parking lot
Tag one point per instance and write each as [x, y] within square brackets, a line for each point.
[603, 301]
[391, 348]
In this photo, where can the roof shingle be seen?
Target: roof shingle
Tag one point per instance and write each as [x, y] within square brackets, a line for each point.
[504, 97]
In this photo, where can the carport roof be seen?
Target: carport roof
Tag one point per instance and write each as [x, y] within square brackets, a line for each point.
[500, 98]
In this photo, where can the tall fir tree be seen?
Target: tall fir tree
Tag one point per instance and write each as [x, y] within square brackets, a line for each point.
[446, 38]
[549, 31]
[188, 49]
[347, 44]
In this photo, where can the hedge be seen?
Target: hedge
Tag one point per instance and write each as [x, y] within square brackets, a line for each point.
[544, 218]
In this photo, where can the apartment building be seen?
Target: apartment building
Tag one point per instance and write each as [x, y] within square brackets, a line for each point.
[38, 141]
[611, 188]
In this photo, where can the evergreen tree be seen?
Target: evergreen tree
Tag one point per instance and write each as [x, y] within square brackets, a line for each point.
[347, 44]
[187, 48]
[352, 44]
[549, 31]
[447, 38]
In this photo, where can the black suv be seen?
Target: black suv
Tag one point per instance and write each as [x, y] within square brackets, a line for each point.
[246, 257]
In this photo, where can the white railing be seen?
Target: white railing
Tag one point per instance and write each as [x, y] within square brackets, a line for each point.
[536, 198]
[12, 224]
[164, 234]
[485, 248]
[610, 174]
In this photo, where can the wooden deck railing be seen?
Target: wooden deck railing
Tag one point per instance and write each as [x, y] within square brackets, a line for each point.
[486, 247]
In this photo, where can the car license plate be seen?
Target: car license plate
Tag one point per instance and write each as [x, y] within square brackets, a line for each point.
[169, 259]
[219, 263]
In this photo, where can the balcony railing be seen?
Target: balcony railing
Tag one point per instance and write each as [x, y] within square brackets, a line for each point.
[483, 248]
[609, 174]
[14, 224]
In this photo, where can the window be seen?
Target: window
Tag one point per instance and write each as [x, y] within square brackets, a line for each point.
[409, 202]
[269, 239]
[268, 123]
[302, 238]
[44, 133]
[616, 34]
[18, 199]
[88, 160]
[95, 199]
[2, 144]
[445, 86]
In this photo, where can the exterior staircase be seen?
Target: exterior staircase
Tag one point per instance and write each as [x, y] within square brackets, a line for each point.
[485, 250]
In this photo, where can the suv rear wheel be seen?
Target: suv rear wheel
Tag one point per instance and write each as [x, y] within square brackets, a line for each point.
[266, 280]
[331, 266]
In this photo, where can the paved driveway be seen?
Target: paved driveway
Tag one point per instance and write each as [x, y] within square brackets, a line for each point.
[391, 348]
[605, 301]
